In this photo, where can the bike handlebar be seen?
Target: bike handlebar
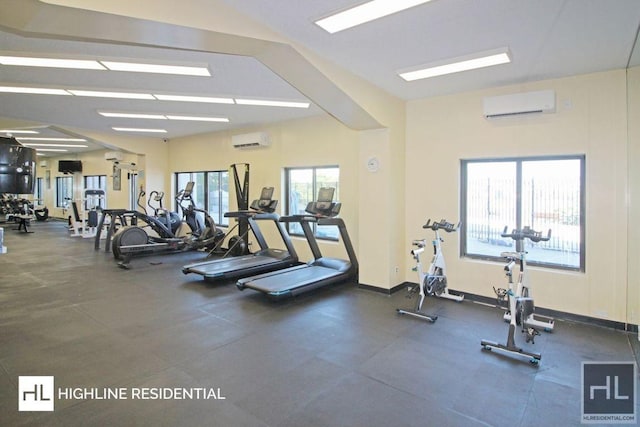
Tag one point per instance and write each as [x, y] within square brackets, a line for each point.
[526, 233]
[443, 224]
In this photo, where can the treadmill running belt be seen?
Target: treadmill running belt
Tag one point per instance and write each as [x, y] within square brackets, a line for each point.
[224, 265]
[289, 280]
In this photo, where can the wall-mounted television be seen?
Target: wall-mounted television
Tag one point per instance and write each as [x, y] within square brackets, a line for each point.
[69, 166]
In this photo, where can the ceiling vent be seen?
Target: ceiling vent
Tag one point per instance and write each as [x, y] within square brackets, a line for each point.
[250, 140]
[543, 101]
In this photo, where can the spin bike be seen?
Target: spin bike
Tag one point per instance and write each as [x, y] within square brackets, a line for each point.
[434, 280]
[523, 287]
[522, 307]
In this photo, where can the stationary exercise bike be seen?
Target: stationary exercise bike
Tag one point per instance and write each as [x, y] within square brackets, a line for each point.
[434, 280]
[523, 287]
[522, 306]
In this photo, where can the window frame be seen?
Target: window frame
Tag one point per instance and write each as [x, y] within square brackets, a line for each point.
[38, 193]
[218, 217]
[102, 185]
[518, 208]
[287, 189]
[60, 201]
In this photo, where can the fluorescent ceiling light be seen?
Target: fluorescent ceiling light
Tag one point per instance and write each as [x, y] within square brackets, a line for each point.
[28, 138]
[14, 131]
[182, 98]
[154, 68]
[33, 90]
[140, 130]
[55, 145]
[61, 150]
[78, 64]
[121, 95]
[456, 65]
[133, 115]
[272, 103]
[365, 12]
[199, 119]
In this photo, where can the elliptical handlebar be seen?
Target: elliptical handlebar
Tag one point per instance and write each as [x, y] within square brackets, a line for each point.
[442, 224]
[526, 233]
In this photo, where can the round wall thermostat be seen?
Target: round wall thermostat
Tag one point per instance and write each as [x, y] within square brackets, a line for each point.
[373, 164]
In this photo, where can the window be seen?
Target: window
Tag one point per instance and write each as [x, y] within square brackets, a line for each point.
[38, 194]
[211, 190]
[542, 193]
[95, 182]
[301, 186]
[64, 191]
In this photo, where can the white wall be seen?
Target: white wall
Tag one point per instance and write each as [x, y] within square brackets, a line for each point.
[591, 120]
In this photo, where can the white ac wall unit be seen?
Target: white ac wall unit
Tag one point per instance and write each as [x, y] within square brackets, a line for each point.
[249, 140]
[543, 101]
[113, 156]
[44, 163]
[126, 165]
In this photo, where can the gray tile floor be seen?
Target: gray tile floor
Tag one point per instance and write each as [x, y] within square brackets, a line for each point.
[338, 357]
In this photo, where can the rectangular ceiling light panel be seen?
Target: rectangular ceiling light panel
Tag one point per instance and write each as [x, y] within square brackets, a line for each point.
[139, 130]
[78, 64]
[156, 68]
[26, 144]
[364, 13]
[267, 103]
[33, 90]
[132, 115]
[183, 98]
[18, 131]
[119, 95]
[199, 119]
[456, 65]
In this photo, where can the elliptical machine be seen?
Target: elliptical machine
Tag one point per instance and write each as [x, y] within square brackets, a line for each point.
[134, 240]
[171, 220]
[522, 306]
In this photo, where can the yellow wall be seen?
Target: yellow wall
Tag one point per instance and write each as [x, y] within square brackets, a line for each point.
[149, 154]
[317, 141]
[591, 120]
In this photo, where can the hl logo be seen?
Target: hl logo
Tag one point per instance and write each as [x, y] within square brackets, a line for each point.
[607, 389]
[35, 393]
[608, 392]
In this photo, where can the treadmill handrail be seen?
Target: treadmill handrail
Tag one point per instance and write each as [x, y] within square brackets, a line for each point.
[300, 218]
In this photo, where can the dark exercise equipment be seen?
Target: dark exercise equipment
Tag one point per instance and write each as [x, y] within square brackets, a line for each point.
[265, 260]
[17, 167]
[322, 271]
[133, 240]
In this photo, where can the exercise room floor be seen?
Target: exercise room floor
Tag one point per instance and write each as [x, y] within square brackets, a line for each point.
[337, 357]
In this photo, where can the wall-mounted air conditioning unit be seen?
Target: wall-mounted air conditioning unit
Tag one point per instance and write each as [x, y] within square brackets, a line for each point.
[113, 156]
[249, 140]
[126, 165]
[44, 163]
[543, 101]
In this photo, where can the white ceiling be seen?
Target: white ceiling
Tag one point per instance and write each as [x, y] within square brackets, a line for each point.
[547, 39]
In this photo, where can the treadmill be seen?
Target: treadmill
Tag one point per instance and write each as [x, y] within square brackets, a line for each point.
[264, 260]
[322, 271]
